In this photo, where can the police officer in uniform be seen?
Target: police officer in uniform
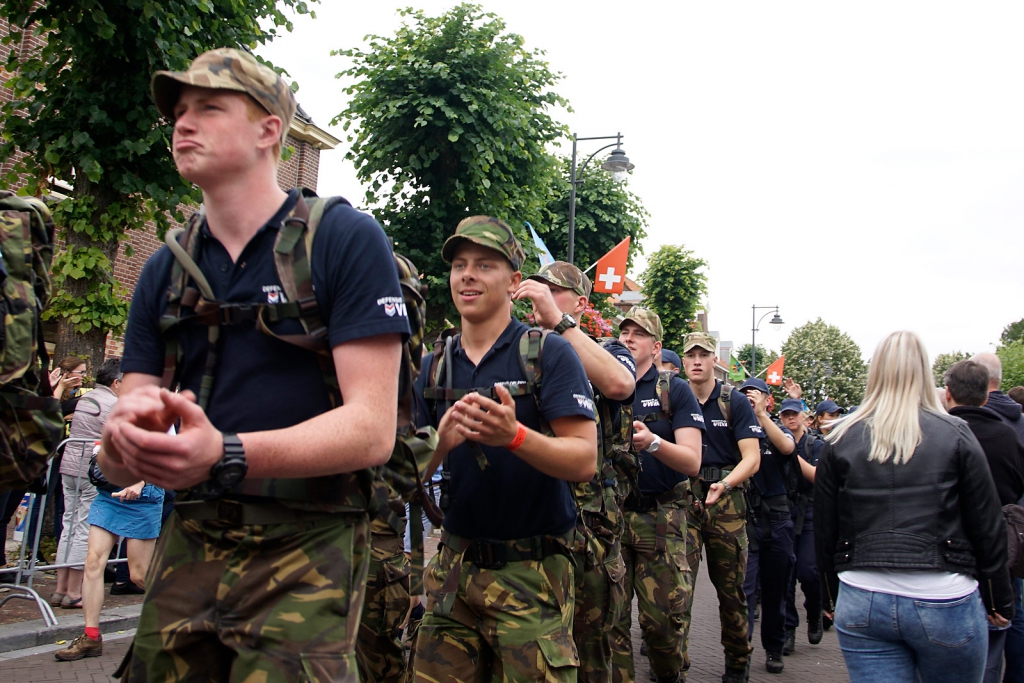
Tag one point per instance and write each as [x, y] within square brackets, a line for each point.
[560, 293]
[718, 516]
[500, 589]
[259, 572]
[770, 530]
[654, 546]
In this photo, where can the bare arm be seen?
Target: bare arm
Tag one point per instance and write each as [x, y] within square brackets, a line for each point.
[367, 371]
[782, 442]
[807, 469]
[750, 462]
[683, 456]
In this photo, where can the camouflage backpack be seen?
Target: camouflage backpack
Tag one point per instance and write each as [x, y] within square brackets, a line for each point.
[401, 477]
[30, 417]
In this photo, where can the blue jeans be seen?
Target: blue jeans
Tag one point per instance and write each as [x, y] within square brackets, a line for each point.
[892, 638]
[1014, 649]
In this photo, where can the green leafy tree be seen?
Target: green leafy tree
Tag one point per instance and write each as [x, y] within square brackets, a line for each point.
[942, 363]
[674, 284]
[765, 357]
[606, 213]
[1013, 332]
[831, 358]
[1012, 356]
[81, 113]
[449, 118]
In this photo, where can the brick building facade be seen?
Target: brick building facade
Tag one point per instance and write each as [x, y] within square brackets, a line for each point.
[300, 170]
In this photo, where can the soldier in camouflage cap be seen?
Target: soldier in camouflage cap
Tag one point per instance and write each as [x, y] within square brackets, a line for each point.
[489, 232]
[500, 590]
[560, 293]
[228, 69]
[260, 571]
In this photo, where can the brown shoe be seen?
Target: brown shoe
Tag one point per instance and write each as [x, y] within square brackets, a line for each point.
[82, 646]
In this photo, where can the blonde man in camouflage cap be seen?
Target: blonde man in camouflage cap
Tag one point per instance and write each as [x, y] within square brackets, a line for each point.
[560, 293]
[717, 519]
[259, 572]
[667, 429]
[500, 589]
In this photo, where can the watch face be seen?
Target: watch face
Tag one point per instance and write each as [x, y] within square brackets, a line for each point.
[229, 475]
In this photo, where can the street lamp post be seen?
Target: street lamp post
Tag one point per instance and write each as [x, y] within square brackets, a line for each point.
[617, 163]
[755, 323]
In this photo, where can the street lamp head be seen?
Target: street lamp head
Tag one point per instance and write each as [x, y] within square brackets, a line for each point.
[776, 320]
[618, 164]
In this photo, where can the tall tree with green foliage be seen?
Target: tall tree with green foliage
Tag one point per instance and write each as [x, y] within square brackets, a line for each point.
[1012, 357]
[674, 284]
[1013, 332]
[450, 118]
[606, 213]
[833, 359]
[943, 361]
[82, 114]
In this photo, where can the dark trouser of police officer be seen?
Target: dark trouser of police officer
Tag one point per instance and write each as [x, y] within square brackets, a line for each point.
[805, 571]
[770, 561]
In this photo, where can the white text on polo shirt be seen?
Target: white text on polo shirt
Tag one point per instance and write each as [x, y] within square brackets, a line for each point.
[393, 305]
[650, 403]
[584, 402]
[274, 294]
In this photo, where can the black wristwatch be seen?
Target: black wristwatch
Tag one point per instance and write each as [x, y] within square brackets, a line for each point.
[230, 470]
[567, 322]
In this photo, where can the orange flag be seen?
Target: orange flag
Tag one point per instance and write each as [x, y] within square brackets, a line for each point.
[773, 375]
[610, 276]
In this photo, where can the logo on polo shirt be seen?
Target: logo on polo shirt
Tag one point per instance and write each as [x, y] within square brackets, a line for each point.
[720, 423]
[697, 417]
[274, 294]
[626, 361]
[756, 429]
[393, 305]
[650, 403]
[584, 401]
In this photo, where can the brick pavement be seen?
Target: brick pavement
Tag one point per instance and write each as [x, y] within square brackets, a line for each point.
[822, 663]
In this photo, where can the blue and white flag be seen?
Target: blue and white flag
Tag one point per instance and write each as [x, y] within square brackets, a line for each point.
[545, 253]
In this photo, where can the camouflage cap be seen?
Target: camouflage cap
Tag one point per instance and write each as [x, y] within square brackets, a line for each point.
[701, 339]
[565, 275]
[228, 69]
[489, 232]
[647, 319]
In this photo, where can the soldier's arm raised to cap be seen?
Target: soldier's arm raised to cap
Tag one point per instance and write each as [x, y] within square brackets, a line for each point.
[780, 440]
[367, 371]
[604, 370]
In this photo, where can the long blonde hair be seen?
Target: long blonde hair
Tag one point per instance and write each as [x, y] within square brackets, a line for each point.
[900, 385]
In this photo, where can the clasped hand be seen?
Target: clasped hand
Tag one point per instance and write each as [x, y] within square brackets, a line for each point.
[480, 419]
[136, 438]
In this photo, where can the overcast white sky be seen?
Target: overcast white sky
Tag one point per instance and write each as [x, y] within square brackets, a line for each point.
[859, 163]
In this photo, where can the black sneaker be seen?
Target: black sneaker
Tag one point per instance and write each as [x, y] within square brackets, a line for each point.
[814, 630]
[790, 646]
[773, 662]
[129, 588]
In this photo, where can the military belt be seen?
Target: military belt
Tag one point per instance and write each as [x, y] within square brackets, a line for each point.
[713, 474]
[236, 513]
[491, 554]
[645, 502]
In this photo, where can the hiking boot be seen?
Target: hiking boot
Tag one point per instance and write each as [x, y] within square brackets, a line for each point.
[82, 646]
[814, 630]
[737, 675]
[674, 678]
[773, 662]
[790, 646]
[643, 648]
[127, 588]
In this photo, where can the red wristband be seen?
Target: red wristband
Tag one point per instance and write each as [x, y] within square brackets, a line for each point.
[519, 438]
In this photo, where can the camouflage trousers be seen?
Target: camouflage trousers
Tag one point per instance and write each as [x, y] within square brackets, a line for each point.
[379, 648]
[600, 599]
[654, 554]
[721, 529]
[273, 603]
[508, 624]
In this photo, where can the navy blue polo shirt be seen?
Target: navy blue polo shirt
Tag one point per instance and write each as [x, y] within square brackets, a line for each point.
[719, 438]
[263, 383]
[655, 476]
[810, 453]
[770, 477]
[510, 499]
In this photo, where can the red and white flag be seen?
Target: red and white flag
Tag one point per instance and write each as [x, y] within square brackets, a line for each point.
[773, 375]
[610, 276]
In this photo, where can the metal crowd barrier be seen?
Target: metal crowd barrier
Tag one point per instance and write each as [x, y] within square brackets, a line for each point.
[27, 570]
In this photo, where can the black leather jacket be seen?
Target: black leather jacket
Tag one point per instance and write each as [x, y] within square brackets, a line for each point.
[938, 512]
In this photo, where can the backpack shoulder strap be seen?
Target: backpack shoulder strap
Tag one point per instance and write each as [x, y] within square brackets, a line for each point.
[531, 353]
[725, 403]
